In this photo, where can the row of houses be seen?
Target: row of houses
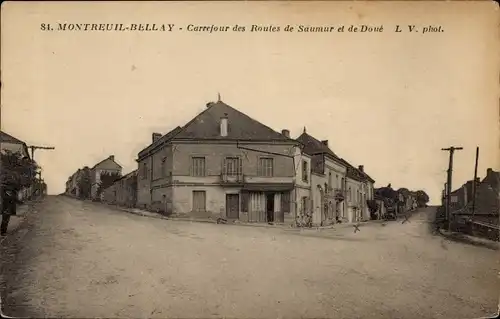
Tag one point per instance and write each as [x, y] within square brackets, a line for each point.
[86, 183]
[223, 163]
[474, 206]
[13, 145]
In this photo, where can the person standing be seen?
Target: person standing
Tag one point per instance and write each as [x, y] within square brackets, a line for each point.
[9, 208]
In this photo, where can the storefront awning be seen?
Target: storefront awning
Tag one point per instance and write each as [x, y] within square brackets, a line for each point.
[268, 187]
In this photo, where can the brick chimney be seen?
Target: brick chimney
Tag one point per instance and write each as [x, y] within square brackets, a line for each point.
[286, 133]
[112, 157]
[156, 136]
[361, 168]
[223, 125]
[489, 171]
[325, 142]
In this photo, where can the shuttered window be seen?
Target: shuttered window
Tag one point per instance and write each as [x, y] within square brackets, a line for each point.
[305, 171]
[144, 171]
[285, 202]
[163, 167]
[303, 205]
[265, 167]
[232, 166]
[198, 166]
[245, 198]
[199, 201]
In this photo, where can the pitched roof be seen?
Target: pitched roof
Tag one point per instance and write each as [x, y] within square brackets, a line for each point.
[314, 146]
[107, 158]
[206, 126]
[4, 137]
[164, 139]
[487, 200]
[492, 178]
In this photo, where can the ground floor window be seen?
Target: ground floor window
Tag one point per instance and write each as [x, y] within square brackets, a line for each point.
[199, 201]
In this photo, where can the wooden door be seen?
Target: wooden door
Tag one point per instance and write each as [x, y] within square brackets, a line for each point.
[232, 206]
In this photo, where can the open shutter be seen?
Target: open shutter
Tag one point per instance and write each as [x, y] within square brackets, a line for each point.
[224, 166]
[285, 202]
[245, 196]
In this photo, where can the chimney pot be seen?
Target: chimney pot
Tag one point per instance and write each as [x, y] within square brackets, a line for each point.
[361, 168]
[325, 142]
[156, 136]
[286, 133]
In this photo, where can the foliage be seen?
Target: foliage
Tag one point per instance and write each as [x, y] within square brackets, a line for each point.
[422, 198]
[373, 206]
[107, 179]
[16, 171]
[84, 184]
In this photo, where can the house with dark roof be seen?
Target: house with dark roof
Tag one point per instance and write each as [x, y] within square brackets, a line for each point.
[13, 144]
[222, 163]
[338, 189]
[106, 166]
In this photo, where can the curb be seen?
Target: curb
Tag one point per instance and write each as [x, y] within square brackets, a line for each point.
[462, 238]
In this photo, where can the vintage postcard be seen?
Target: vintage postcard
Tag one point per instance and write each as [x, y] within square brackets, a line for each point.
[250, 159]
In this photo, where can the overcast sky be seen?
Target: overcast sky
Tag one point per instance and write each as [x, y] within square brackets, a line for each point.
[388, 101]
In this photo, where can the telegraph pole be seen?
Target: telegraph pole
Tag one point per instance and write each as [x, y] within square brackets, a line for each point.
[474, 184]
[34, 147]
[451, 150]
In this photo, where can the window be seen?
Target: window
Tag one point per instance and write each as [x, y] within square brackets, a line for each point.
[305, 171]
[265, 167]
[144, 171]
[285, 202]
[337, 181]
[245, 200]
[350, 194]
[198, 166]
[163, 167]
[199, 201]
[303, 204]
[232, 166]
[330, 179]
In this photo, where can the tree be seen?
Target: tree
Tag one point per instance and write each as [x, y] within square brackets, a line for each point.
[422, 198]
[16, 171]
[84, 184]
[107, 179]
[373, 206]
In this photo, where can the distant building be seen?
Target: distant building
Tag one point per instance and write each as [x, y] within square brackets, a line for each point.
[106, 166]
[338, 189]
[14, 145]
[123, 192]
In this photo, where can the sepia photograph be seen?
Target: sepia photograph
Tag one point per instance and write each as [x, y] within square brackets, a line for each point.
[250, 159]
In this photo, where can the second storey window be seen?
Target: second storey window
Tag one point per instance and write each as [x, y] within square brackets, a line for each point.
[305, 171]
[265, 167]
[232, 166]
[144, 171]
[198, 166]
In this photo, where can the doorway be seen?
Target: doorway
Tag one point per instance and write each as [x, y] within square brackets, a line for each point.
[270, 207]
[232, 206]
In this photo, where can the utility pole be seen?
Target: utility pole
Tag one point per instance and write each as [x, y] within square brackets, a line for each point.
[34, 147]
[451, 150]
[474, 184]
